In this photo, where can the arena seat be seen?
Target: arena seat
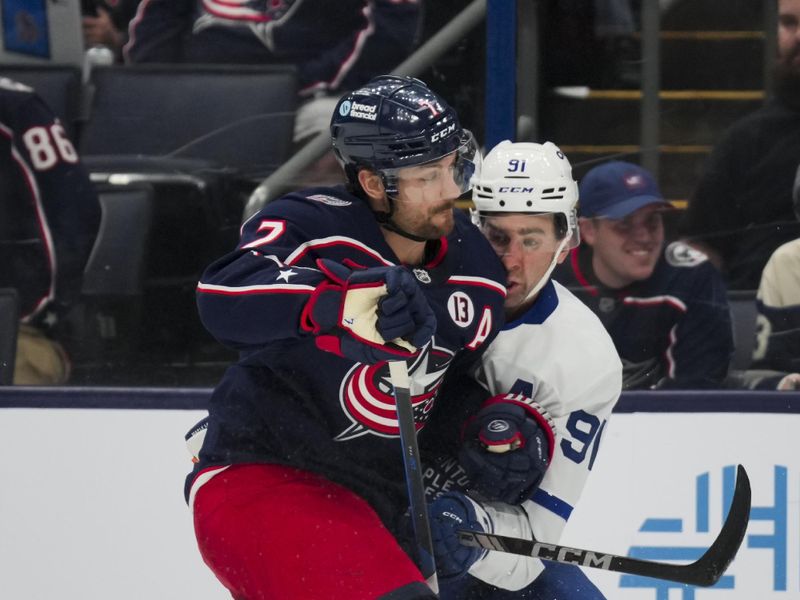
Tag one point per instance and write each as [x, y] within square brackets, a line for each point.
[233, 116]
[58, 85]
[743, 318]
[9, 324]
[203, 136]
[105, 326]
[116, 263]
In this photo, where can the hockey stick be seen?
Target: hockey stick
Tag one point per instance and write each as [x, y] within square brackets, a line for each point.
[398, 372]
[705, 571]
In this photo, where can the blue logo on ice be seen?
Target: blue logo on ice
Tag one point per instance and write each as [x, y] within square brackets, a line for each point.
[344, 108]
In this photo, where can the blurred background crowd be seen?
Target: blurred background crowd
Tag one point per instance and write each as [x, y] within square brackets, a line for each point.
[127, 172]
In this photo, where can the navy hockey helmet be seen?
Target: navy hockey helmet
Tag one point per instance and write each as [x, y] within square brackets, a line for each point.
[396, 122]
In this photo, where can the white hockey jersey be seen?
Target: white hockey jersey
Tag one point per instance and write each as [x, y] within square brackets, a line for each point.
[559, 354]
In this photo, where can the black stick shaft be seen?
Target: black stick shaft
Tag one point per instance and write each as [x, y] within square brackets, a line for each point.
[398, 371]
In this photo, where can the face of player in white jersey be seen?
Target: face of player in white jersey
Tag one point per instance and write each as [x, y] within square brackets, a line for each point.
[625, 250]
[527, 244]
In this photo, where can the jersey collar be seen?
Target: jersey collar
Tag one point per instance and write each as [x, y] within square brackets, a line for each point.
[544, 306]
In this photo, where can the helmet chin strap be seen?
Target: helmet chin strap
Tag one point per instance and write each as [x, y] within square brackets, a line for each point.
[537, 288]
[391, 226]
[385, 220]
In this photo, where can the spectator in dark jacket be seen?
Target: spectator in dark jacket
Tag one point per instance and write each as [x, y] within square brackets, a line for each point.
[741, 211]
[666, 308]
[105, 23]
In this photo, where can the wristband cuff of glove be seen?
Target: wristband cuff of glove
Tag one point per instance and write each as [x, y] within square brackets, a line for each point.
[322, 311]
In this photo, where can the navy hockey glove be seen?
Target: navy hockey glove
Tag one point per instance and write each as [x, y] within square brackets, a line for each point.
[507, 447]
[369, 315]
[449, 513]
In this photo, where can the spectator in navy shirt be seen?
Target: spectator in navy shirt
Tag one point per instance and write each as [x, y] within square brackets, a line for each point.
[665, 306]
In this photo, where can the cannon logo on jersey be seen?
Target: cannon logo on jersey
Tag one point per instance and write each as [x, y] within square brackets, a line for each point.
[329, 200]
[679, 254]
[367, 399]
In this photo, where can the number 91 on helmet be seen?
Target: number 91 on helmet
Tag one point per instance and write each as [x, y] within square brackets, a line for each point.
[528, 178]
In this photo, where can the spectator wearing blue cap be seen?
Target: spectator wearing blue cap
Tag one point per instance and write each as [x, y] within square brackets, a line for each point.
[665, 307]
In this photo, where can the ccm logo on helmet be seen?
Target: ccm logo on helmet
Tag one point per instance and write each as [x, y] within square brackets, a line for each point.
[516, 190]
[440, 134]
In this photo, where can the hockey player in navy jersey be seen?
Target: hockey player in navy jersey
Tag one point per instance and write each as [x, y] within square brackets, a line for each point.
[666, 308]
[299, 489]
[552, 376]
[49, 217]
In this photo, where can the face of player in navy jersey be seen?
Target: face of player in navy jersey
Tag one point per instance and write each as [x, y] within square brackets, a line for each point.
[425, 200]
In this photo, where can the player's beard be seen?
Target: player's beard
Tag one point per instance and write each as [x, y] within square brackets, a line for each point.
[444, 223]
[438, 224]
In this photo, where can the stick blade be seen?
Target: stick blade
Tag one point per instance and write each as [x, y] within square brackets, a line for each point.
[705, 571]
[713, 564]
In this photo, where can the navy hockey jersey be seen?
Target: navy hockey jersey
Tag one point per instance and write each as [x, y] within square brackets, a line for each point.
[288, 402]
[671, 330]
[49, 212]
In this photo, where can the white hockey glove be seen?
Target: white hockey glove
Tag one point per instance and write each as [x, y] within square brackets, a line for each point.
[369, 315]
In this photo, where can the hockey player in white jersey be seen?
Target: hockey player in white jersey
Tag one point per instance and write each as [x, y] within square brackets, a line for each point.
[553, 375]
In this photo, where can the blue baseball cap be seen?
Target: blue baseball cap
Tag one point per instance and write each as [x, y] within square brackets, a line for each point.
[616, 189]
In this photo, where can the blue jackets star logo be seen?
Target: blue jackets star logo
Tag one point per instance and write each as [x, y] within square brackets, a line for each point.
[284, 275]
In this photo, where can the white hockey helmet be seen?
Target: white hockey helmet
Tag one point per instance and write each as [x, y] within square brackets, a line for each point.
[525, 177]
